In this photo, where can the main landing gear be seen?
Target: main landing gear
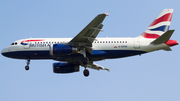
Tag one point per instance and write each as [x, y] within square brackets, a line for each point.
[86, 72]
[27, 66]
[85, 61]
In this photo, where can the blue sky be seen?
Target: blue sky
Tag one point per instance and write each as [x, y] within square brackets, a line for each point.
[151, 77]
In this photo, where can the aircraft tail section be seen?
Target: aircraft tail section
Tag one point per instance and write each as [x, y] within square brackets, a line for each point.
[163, 38]
[159, 26]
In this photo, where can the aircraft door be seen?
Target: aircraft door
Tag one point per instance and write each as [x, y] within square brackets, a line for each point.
[136, 43]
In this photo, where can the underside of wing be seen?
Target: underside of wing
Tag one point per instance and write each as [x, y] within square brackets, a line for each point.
[96, 66]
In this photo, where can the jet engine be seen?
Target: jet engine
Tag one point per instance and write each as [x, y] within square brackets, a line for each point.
[65, 68]
[60, 49]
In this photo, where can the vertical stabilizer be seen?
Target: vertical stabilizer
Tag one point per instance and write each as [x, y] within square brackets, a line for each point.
[159, 26]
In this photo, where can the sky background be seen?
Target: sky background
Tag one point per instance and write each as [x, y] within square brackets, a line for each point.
[150, 77]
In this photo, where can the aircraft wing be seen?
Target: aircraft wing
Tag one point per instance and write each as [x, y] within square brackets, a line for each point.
[96, 66]
[89, 33]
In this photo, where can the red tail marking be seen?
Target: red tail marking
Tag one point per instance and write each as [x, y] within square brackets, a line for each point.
[148, 35]
[171, 43]
[166, 17]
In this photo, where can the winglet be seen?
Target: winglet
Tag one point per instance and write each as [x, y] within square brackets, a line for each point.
[167, 49]
[107, 13]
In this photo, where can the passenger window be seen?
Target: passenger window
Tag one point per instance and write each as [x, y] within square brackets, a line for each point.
[114, 41]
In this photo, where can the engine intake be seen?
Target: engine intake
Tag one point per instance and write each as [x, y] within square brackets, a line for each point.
[60, 49]
[65, 68]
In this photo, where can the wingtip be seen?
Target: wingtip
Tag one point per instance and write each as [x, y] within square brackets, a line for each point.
[108, 69]
[107, 13]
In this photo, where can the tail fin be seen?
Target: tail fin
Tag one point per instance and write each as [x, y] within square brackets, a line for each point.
[159, 26]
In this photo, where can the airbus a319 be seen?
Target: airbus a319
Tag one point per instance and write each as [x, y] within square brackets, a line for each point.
[85, 47]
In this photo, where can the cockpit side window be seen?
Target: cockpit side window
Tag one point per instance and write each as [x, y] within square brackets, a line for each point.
[14, 43]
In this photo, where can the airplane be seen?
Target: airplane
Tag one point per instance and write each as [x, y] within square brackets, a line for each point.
[85, 47]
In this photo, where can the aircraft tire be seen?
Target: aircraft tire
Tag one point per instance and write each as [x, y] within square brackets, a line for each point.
[27, 67]
[85, 60]
[86, 72]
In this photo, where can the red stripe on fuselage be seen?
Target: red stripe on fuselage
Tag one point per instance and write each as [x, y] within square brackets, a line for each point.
[32, 40]
[166, 17]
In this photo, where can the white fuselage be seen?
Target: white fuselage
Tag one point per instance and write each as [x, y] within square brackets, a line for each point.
[36, 46]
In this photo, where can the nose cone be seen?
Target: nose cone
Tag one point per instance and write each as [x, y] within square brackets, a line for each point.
[4, 51]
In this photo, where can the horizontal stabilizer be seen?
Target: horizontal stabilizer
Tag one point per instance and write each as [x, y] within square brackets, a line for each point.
[163, 38]
[167, 49]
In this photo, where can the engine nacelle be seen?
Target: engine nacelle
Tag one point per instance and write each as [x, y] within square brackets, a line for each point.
[59, 49]
[65, 68]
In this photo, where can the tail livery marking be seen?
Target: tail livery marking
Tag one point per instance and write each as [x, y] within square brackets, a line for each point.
[148, 35]
[159, 25]
[166, 17]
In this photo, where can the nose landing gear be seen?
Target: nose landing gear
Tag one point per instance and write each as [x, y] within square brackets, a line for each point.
[27, 66]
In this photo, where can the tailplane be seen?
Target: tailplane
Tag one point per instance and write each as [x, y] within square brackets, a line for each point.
[159, 26]
[163, 38]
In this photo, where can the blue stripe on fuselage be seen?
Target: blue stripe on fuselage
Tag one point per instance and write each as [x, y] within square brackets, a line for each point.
[100, 54]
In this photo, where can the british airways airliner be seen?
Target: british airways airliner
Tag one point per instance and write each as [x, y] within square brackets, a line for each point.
[85, 48]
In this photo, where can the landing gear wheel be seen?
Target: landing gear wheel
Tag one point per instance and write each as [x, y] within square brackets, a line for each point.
[86, 72]
[27, 67]
[85, 60]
